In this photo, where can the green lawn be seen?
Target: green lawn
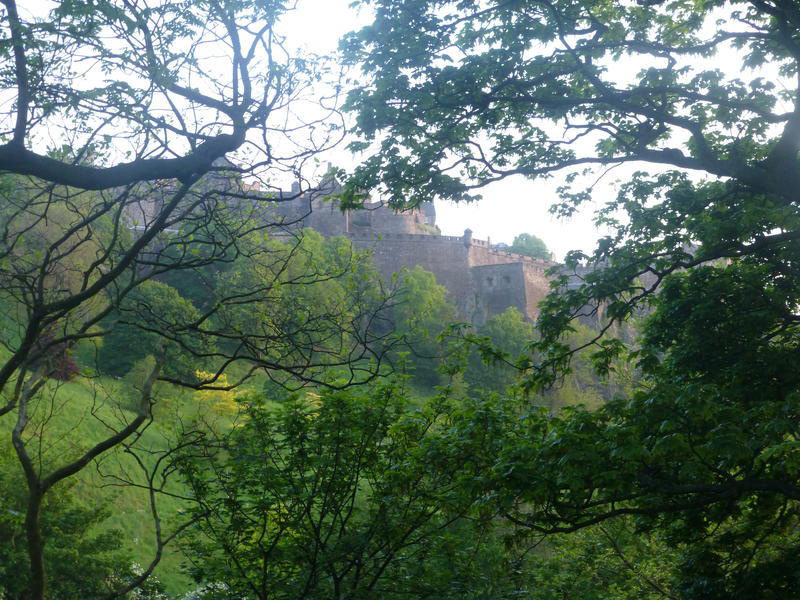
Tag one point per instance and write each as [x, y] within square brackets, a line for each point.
[71, 417]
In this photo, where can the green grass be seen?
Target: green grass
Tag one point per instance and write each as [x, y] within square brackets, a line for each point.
[68, 418]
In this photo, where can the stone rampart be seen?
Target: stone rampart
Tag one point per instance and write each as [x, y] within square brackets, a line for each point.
[445, 256]
[482, 280]
[481, 253]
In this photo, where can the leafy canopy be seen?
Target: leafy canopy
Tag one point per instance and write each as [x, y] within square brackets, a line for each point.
[706, 241]
[458, 94]
[530, 245]
[336, 495]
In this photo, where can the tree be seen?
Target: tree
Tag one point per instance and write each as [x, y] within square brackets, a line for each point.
[504, 338]
[331, 495]
[608, 562]
[155, 87]
[530, 245]
[462, 94]
[313, 311]
[114, 145]
[468, 90]
[84, 559]
[421, 314]
[152, 306]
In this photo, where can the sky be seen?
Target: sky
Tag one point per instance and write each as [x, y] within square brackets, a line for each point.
[509, 207]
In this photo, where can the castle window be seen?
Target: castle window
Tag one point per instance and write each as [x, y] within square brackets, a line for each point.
[506, 279]
[490, 281]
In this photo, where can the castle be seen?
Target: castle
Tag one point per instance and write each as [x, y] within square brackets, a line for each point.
[482, 280]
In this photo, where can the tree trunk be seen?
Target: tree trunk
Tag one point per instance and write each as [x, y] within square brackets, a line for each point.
[35, 545]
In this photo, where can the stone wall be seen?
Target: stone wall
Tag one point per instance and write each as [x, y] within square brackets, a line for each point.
[482, 281]
[498, 287]
[481, 253]
[317, 211]
[445, 256]
[537, 284]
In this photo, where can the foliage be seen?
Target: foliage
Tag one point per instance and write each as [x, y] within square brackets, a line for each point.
[56, 361]
[584, 385]
[222, 400]
[530, 245]
[84, 556]
[336, 497]
[602, 563]
[500, 352]
[141, 141]
[421, 314]
[504, 337]
[703, 451]
[314, 310]
[153, 320]
[532, 88]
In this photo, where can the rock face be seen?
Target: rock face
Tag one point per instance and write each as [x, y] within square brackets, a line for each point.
[482, 280]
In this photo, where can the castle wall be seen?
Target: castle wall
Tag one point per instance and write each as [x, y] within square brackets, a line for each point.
[379, 218]
[482, 281]
[497, 287]
[481, 253]
[445, 256]
[323, 215]
[537, 285]
[327, 219]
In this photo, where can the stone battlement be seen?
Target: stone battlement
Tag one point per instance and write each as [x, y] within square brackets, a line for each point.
[413, 237]
[443, 239]
[482, 280]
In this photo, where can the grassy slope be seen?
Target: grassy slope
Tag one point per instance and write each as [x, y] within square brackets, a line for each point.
[71, 416]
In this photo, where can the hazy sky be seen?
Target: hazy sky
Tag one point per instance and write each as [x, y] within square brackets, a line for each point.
[510, 207]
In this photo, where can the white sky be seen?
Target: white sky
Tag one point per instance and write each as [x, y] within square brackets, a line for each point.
[510, 207]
